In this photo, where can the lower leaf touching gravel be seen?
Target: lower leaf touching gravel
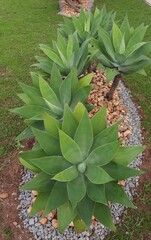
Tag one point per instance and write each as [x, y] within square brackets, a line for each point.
[85, 157]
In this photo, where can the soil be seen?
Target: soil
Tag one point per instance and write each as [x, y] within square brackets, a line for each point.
[10, 178]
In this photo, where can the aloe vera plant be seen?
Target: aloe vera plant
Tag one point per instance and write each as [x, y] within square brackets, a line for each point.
[78, 165]
[123, 50]
[51, 96]
[66, 54]
[86, 25]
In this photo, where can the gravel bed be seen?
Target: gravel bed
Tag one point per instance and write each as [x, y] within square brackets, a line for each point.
[43, 232]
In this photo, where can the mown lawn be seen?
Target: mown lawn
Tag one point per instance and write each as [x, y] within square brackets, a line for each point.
[25, 24]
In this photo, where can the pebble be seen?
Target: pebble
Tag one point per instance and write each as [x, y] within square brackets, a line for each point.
[47, 231]
[3, 195]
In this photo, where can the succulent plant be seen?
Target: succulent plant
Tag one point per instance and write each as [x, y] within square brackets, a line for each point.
[66, 53]
[78, 165]
[122, 50]
[51, 96]
[86, 25]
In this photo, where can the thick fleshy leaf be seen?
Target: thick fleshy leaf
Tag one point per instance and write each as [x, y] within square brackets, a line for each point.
[119, 172]
[35, 79]
[85, 81]
[67, 175]
[51, 164]
[66, 215]
[85, 210]
[84, 135]
[40, 203]
[70, 149]
[24, 98]
[51, 125]
[55, 80]
[79, 111]
[42, 183]
[103, 154]
[99, 121]
[79, 225]
[32, 154]
[116, 37]
[69, 127]
[103, 215]
[108, 135]
[29, 165]
[126, 155]
[30, 111]
[49, 143]
[115, 193]
[58, 197]
[97, 175]
[33, 93]
[65, 90]
[47, 92]
[96, 192]
[51, 54]
[81, 95]
[76, 189]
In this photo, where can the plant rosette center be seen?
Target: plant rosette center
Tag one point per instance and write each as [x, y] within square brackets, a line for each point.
[82, 167]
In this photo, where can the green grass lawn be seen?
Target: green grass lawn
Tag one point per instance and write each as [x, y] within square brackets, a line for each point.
[25, 24]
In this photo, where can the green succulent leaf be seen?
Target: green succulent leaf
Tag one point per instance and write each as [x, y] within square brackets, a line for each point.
[57, 197]
[65, 90]
[97, 175]
[55, 80]
[79, 111]
[79, 225]
[99, 121]
[51, 164]
[96, 192]
[45, 139]
[119, 172]
[108, 135]
[51, 54]
[115, 193]
[66, 214]
[85, 210]
[69, 127]
[47, 92]
[67, 175]
[84, 135]
[41, 183]
[76, 189]
[51, 125]
[103, 214]
[35, 79]
[126, 155]
[116, 37]
[70, 149]
[85, 81]
[103, 154]
[40, 203]
[28, 165]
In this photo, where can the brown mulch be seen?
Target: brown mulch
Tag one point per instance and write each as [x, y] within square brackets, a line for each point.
[73, 9]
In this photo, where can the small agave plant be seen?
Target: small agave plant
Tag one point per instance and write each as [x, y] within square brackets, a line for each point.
[78, 164]
[122, 51]
[50, 97]
[86, 25]
[66, 53]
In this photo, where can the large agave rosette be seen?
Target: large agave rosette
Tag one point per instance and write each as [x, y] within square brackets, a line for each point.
[78, 164]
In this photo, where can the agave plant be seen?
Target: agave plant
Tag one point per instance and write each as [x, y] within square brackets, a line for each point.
[122, 50]
[51, 97]
[86, 25]
[66, 54]
[78, 165]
